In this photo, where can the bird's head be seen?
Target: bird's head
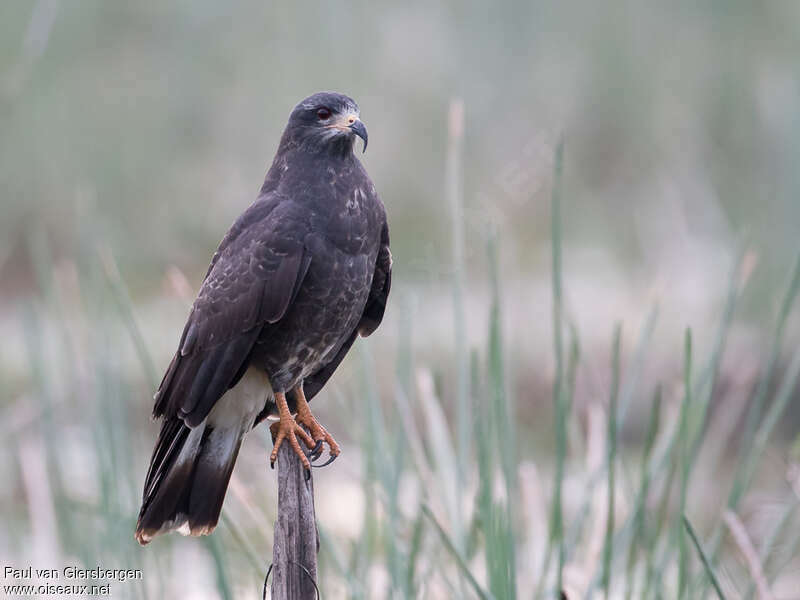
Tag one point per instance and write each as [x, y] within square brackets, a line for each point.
[327, 120]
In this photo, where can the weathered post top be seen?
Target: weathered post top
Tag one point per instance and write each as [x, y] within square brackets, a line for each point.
[296, 542]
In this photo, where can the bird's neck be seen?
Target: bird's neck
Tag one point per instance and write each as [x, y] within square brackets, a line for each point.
[337, 154]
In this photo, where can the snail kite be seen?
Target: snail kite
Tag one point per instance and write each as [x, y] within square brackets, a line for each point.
[303, 271]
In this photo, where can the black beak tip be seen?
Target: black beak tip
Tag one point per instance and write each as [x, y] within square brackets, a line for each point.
[361, 131]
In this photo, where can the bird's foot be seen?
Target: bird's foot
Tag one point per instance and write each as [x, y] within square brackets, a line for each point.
[320, 437]
[318, 433]
[288, 429]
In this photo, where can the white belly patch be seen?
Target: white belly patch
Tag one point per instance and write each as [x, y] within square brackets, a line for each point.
[243, 402]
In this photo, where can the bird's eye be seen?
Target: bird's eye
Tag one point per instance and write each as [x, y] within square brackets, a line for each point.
[323, 114]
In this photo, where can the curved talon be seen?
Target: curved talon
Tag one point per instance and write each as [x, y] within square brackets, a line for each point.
[316, 452]
[331, 458]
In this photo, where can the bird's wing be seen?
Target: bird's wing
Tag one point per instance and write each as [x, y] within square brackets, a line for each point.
[379, 292]
[253, 279]
[370, 318]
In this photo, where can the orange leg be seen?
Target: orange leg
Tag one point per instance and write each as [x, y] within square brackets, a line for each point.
[318, 432]
[286, 428]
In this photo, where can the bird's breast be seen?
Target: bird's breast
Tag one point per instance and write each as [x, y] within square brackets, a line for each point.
[347, 225]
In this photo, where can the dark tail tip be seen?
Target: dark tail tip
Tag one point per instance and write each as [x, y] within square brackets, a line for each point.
[188, 478]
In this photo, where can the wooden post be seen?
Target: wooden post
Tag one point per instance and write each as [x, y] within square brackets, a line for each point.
[296, 542]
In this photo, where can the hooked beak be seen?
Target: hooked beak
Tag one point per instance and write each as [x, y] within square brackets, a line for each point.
[360, 130]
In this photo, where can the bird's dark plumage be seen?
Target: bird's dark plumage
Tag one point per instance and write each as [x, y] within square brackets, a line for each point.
[302, 272]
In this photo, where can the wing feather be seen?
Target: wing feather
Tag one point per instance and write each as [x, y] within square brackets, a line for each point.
[381, 285]
[253, 280]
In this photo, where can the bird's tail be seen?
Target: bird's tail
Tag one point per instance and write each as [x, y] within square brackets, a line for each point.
[188, 476]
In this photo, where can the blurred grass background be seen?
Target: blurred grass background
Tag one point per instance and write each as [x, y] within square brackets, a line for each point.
[487, 453]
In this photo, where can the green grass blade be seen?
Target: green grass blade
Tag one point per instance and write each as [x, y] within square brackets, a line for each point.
[218, 555]
[651, 570]
[706, 564]
[781, 525]
[417, 536]
[455, 196]
[239, 537]
[707, 377]
[685, 459]
[559, 397]
[760, 396]
[771, 419]
[743, 472]
[636, 368]
[460, 562]
[611, 457]
[126, 312]
[637, 537]
[500, 539]
[504, 423]
[570, 379]
[789, 556]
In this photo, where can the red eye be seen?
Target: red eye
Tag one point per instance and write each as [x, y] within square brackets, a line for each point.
[324, 113]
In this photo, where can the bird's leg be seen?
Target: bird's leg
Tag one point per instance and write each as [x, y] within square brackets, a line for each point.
[287, 428]
[318, 432]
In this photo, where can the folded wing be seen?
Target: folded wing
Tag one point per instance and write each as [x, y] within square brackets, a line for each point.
[252, 282]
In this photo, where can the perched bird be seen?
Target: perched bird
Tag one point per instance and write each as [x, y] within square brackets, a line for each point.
[302, 272]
